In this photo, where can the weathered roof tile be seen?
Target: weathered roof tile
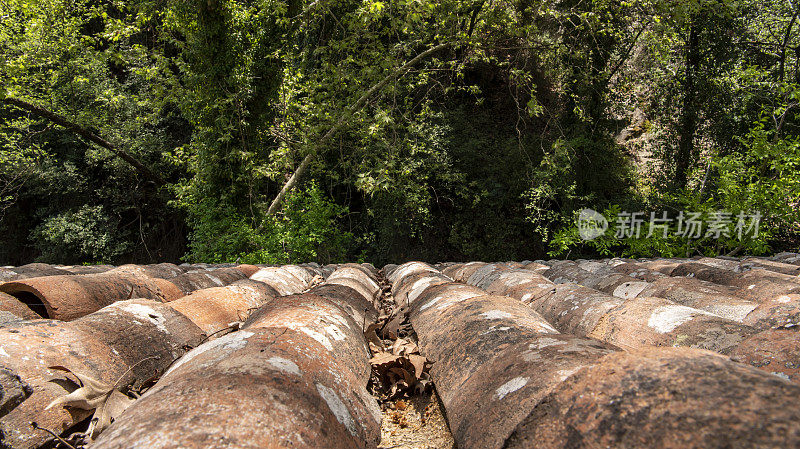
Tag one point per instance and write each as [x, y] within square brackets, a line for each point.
[546, 353]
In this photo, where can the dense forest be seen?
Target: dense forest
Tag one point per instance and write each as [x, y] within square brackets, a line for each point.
[270, 131]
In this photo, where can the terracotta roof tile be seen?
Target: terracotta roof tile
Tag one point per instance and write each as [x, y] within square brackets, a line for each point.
[295, 374]
[700, 352]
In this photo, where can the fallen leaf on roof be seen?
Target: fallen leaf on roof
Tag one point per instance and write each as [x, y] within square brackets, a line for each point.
[92, 394]
[372, 336]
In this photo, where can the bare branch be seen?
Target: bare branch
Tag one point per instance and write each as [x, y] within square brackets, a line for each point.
[86, 134]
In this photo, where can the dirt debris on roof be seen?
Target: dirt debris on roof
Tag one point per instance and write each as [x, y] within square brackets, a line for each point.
[701, 352]
[417, 422]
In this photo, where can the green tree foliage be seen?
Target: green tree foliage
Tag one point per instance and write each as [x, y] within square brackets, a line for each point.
[87, 233]
[716, 82]
[101, 67]
[455, 129]
[305, 230]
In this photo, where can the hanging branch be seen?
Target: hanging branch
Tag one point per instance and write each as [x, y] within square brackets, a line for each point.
[86, 134]
[342, 121]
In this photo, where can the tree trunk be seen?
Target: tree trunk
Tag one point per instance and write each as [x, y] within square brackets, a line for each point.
[688, 120]
[86, 134]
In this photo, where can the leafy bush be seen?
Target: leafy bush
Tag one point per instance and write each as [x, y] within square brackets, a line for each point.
[765, 177]
[573, 173]
[85, 235]
[305, 230]
[762, 180]
[717, 234]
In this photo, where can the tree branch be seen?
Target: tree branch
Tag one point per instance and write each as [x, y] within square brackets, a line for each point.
[627, 53]
[782, 63]
[342, 121]
[86, 134]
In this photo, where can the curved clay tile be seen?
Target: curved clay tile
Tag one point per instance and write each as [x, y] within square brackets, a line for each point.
[294, 375]
[69, 297]
[507, 381]
[128, 342]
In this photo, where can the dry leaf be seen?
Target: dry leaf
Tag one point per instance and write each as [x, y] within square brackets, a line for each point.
[396, 364]
[316, 280]
[373, 348]
[92, 394]
[113, 406]
[392, 328]
[405, 375]
[396, 345]
[383, 358]
[402, 346]
[372, 336]
[421, 386]
[419, 364]
[398, 387]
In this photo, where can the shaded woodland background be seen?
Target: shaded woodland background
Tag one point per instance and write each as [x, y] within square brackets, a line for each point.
[437, 130]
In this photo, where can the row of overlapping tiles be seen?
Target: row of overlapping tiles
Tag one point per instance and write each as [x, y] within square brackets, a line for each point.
[545, 354]
[296, 371]
[613, 353]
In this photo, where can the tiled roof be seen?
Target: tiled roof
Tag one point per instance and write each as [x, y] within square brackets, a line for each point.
[588, 353]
